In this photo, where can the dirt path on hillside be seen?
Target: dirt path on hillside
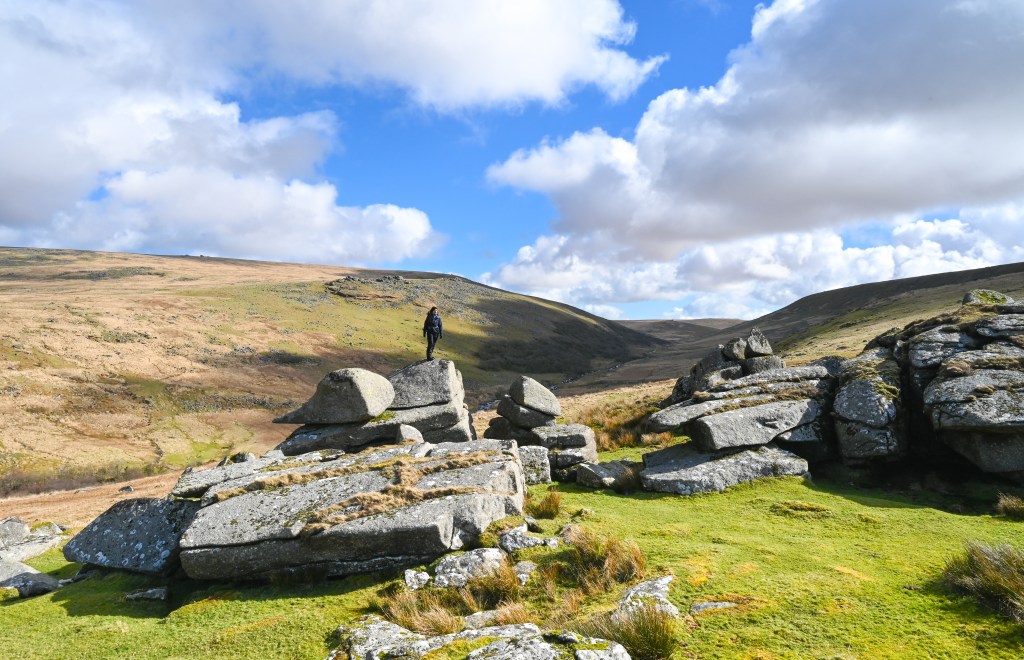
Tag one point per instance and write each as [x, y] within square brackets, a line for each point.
[75, 508]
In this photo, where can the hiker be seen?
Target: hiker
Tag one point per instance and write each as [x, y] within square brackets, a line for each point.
[432, 330]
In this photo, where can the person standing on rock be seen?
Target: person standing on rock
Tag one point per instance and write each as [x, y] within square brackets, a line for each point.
[432, 330]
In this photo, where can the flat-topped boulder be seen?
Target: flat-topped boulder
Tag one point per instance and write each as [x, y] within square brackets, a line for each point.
[522, 416]
[342, 397]
[754, 425]
[986, 297]
[685, 470]
[527, 392]
[140, 535]
[380, 509]
[426, 383]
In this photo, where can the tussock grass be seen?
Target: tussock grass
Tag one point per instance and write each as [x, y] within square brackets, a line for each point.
[992, 573]
[1010, 506]
[647, 632]
[370, 504]
[437, 611]
[597, 562]
[513, 613]
[424, 611]
[548, 506]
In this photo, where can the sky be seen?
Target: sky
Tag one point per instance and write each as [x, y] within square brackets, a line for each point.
[671, 159]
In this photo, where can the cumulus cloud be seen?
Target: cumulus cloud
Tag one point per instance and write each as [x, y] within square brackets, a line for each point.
[746, 278]
[114, 132]
[448, 54]
[834, 112]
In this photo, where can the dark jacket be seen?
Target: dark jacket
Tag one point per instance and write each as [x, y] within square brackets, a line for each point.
[433, 325]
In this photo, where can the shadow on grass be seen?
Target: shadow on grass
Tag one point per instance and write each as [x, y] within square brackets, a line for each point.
[103, 594]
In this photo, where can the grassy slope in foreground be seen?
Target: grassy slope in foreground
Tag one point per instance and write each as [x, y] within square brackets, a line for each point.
[856, 578]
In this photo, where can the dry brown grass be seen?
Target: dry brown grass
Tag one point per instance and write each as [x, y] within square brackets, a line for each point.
[513, 613]
[647, 632]
[547, 507]
[993, 574]
[618, 423]
[424, 611]
[1010, 506]
[371, 504]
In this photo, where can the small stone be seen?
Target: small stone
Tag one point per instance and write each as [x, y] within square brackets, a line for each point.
[698, 608]
[524, 570]
[406, 433]
[416, 579]
[126, 489]
[155, 594]
[458, 569]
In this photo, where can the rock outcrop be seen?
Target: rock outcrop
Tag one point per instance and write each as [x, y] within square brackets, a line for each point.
[374, 637]
[19, 542]
[527, 415]
[427, 396]
[736, 358]
[345, 514]
[343, 397]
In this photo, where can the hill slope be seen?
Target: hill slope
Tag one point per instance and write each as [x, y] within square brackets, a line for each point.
[115, 362]
[837, 322]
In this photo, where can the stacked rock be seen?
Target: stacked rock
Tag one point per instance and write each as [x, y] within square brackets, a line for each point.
[527, 415]
[734, 359]
[355, 407]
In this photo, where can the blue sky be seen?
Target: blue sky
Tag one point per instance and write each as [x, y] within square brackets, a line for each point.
[641, 159]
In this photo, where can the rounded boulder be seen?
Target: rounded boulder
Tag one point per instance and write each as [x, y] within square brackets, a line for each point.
[344, 396]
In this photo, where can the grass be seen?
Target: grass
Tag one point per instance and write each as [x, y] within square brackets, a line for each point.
[993, 574]
[861, 582]
[647, 633]
[547, 507]
[1010, 506]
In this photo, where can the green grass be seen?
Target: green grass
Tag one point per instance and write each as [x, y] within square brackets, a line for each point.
[862, 581]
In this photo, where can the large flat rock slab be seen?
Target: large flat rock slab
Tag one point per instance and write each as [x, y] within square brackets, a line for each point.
[685, 470]
[346, 437]
[382, 509]
[139, 535]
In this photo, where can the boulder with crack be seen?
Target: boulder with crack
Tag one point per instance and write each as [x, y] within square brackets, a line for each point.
[868, 407]
[378, 509]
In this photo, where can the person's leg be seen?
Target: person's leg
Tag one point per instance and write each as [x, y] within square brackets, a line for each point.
[431, 340]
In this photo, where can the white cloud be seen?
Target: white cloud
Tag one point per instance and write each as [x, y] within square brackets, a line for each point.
[745, 278]
[835, 112]
[448, 54]
[114, 134]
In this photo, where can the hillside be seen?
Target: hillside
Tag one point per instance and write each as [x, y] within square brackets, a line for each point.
[837, 322]
[117, 364]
